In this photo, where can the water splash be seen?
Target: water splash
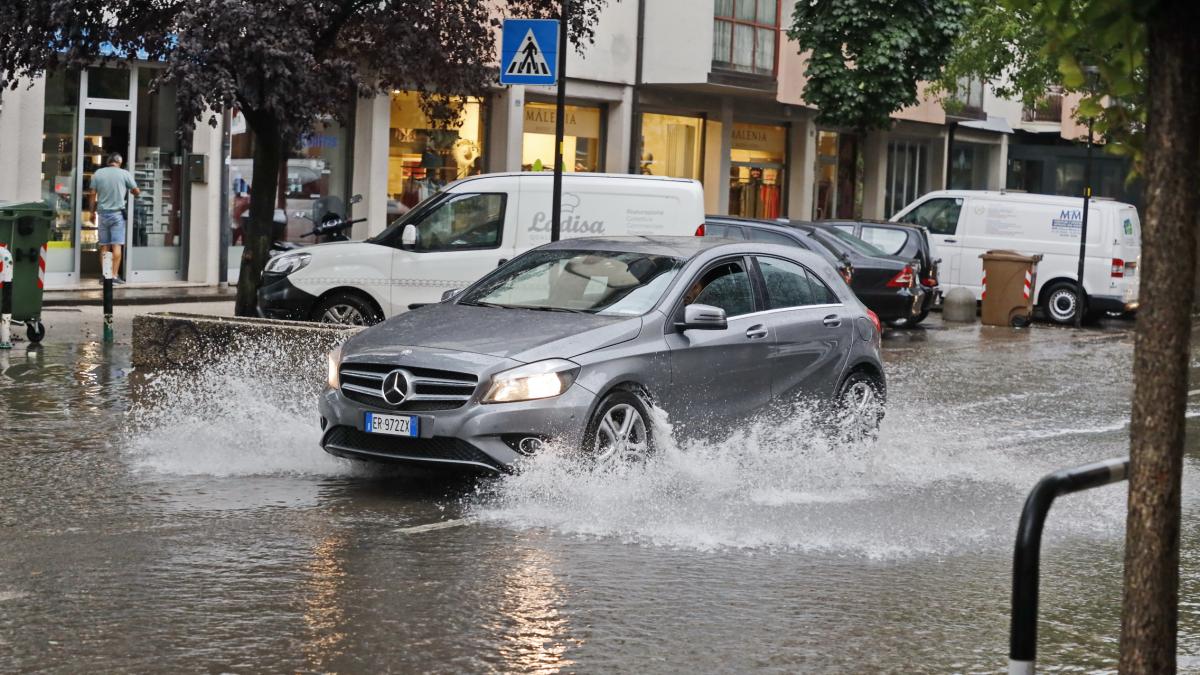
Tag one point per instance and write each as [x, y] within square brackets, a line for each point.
[242, 415]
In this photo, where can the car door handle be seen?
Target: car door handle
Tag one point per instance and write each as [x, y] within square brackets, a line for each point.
[756, 331]
[833, 321]
[951, 241]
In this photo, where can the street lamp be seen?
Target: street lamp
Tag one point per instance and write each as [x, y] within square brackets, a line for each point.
[1091, 72]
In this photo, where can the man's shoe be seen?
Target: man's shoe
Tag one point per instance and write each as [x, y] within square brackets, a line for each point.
[118, 280]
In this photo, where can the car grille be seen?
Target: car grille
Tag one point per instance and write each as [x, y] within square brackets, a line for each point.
[431, 389]
[351, 440]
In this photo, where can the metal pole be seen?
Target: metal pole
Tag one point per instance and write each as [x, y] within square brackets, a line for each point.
[106, 268]
[1087, 198]
[1022, 640]
[6, 299]
[559, 121]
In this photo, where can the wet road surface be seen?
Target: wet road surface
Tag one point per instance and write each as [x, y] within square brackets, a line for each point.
[191, 523]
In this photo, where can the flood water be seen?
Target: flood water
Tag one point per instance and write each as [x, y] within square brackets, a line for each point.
[155, 522]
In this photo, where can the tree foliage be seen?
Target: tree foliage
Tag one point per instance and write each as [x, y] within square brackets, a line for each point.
[867, 56]
[285, 64]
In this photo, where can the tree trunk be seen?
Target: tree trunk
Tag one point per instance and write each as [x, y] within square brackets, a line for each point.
[268, 155]
[1150, 604]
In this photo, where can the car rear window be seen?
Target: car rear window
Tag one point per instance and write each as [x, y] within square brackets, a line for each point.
[723, 231]
[887, 239]
[854, 242]
[768, 237]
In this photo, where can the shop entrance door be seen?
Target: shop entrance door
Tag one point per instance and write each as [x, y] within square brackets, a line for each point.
[838, 184]
[105, 131]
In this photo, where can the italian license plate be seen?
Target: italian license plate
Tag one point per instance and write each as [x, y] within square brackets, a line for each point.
[393, 425]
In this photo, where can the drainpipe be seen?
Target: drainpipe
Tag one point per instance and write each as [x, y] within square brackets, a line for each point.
[949, 154]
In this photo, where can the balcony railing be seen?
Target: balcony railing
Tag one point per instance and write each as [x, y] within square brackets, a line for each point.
[1048, 109]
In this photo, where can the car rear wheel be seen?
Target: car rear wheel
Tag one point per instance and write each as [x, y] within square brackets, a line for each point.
[1062, 302]
[619, 432]
[860, 405]
[347, 309]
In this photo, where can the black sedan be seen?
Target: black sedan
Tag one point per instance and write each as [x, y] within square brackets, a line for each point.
[888, 285]
[905, 240]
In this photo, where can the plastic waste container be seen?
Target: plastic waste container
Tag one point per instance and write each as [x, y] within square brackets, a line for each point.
[1008, 282]
[24, 230]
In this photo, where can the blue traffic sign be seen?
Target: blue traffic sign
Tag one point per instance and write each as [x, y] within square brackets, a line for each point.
[529, 51]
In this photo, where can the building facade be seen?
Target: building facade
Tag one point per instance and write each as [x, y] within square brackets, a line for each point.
[703, 90]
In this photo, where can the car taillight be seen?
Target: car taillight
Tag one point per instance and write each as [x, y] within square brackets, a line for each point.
[700, 230]
[1118, 268]
[929, 281]
[875, 320]
[902, 280]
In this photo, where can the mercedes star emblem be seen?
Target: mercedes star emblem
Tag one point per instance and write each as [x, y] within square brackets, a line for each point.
[395, 387]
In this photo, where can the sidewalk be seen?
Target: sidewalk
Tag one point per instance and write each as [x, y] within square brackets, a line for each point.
[139, 295]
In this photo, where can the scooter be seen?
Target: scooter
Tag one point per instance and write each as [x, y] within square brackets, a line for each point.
[331, 227]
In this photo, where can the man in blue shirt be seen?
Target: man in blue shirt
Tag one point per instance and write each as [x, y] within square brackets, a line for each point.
[113, 186]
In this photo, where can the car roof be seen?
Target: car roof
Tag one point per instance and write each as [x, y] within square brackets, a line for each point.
[677, 246]
[1017, 195]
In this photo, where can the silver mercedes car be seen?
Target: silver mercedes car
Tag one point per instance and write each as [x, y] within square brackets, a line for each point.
[574, 341]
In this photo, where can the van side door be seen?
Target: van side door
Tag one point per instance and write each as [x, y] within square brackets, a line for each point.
[943, 217]
[462, 238]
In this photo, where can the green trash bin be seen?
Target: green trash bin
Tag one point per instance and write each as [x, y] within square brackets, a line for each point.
[24, 230]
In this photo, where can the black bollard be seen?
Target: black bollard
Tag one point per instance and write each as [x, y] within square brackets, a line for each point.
[106, 267]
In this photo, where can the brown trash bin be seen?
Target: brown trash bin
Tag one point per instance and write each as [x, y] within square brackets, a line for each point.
[1008, 282]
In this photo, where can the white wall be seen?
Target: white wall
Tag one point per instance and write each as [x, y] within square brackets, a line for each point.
[204, 208]
[21, 121]
[370, 165]
[613, 56]
[678, 39]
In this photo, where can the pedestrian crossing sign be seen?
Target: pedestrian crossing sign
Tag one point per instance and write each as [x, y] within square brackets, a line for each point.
[529, 51]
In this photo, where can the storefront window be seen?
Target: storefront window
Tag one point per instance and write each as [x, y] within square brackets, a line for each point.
[839, 183]
[968, 166]
[423, 158]
[581, 138]
[756, 170]
[60, 124]
[908, 164]
[157, 166]
[313, 181]
[671, 146]
[110, 83]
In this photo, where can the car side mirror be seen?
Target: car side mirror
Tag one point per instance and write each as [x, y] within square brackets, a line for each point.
[446, 295]
[703, 317]
[356, 199]
[408, 237]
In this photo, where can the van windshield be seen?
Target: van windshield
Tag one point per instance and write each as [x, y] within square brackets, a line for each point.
[609, 283]
[391, 234]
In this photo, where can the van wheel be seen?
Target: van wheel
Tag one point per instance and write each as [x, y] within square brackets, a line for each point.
[1062, 302]
[346, 309]
[619, 432]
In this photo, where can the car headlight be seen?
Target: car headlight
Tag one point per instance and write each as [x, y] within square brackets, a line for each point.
[544, 379]
[333, 364]
[286, 264]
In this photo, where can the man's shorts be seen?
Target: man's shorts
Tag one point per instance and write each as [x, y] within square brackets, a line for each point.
[112, 227]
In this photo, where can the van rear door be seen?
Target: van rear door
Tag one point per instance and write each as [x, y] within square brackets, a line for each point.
[1127, 248]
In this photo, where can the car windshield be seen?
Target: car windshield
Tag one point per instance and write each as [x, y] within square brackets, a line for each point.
[854, 242]
[612, 283]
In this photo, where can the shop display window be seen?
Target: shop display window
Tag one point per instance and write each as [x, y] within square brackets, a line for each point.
[758, 156]
[672, 145]
[423, 157]
[581, 138]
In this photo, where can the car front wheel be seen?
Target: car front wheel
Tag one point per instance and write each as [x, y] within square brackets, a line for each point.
[619, 432]
[860, 402]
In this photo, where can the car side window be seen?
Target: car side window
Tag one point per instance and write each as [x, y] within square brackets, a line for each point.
[463, 221]
[885, 238]
[939, 215]
[724, 231]
[767, 237]
[726, 286]
[792, 285]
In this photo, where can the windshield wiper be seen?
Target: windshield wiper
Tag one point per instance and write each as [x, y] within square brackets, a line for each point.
[539, 308]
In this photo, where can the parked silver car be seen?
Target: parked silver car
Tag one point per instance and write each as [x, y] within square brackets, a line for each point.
[572, 341]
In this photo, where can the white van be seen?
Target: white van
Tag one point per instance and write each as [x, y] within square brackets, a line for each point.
[462, 232]
[967, 223]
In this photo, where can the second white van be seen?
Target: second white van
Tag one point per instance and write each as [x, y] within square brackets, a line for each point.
[966, 223]
[463, 231]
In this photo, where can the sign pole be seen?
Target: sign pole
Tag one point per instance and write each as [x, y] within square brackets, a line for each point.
[559, 120]
[1087, 197]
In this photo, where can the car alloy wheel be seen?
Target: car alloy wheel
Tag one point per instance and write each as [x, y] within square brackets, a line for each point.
[622, 437]
[345, 315]
[861, 406]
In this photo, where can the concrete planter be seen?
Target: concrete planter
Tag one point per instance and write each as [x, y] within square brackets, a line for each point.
[175, 340]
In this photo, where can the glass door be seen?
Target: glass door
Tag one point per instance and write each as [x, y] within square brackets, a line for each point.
[156, 231]
[106, 127]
